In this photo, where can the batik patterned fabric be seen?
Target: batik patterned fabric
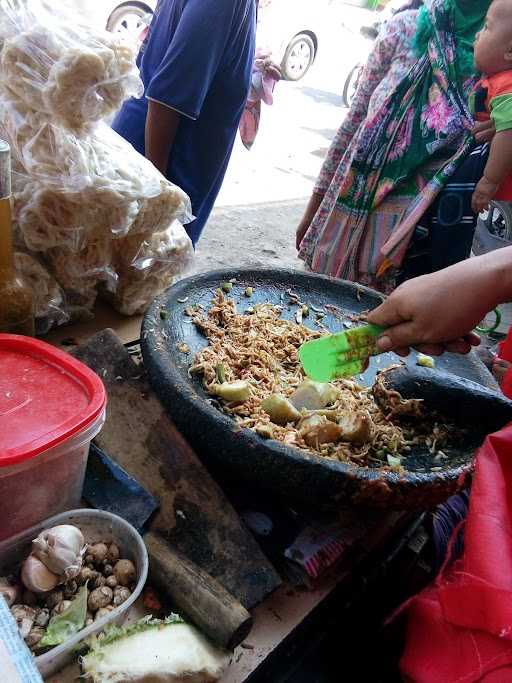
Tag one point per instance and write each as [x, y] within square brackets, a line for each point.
[399, 158]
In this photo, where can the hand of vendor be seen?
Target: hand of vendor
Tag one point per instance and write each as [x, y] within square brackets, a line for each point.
[436, 313]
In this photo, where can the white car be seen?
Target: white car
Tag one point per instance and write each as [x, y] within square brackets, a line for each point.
[116, 16]
[290, 30]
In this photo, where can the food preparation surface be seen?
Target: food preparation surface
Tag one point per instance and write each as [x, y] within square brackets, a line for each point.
[280, 614]
[170, 342]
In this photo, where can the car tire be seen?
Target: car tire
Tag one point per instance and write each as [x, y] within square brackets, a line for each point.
[299, 56]
[506, 212]
[487, 238]
[124, 13]
[351, 83]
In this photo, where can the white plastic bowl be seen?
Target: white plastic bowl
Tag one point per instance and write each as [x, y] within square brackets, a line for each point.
[96, 526]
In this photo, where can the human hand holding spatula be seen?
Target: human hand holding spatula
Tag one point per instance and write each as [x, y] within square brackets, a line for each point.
[346, 354]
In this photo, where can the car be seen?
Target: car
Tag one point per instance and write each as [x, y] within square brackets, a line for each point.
[290, 30]
[118, 17]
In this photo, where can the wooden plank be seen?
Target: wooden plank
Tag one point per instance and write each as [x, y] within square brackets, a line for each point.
[127, 329]
[195, 517]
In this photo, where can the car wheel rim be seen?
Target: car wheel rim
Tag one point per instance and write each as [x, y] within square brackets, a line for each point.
[300, 58]
[130, 24]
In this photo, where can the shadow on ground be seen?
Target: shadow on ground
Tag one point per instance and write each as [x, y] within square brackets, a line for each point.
[323, 96]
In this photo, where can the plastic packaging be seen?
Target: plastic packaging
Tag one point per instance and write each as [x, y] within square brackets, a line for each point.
[52, 64]
[16, 662]
[78, 187]
[96, 526]
[51, 407]
[48, 296]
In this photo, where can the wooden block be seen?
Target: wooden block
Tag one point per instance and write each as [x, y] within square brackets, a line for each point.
[195, 517]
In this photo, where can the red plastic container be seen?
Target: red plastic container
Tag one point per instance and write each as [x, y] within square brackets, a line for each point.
[51, 407]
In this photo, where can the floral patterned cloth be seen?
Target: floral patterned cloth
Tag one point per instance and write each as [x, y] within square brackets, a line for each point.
[387, 167]
[390, 60]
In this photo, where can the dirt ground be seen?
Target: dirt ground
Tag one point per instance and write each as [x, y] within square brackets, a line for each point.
[256, 235]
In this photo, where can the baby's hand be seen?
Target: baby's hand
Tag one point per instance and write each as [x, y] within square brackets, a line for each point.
[484, 131]
[483, 194]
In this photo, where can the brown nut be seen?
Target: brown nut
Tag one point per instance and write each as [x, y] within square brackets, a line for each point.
[113, 553]
[99, 581]
[42, 617]
[98, 551]
[86, 574]
[55, 598]
[35, 635]
[25, 617]
[124, 571]
[99, 597]
[111, 581]
[121, 594]
[70, 589]
[61, 607]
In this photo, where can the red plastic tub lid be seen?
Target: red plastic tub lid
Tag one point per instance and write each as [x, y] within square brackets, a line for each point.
[46, 397]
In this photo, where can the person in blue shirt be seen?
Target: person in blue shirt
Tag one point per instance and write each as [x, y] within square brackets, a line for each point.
[196, 65]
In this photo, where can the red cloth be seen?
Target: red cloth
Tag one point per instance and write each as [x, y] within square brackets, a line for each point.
[505, 353]
[460, 628]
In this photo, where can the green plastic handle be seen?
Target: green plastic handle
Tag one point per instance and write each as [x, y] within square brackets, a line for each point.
[497, 322]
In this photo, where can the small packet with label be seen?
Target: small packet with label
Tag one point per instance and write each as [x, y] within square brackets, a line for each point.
[17, 664]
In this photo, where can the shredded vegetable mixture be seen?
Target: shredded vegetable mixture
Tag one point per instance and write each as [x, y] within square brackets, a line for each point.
[251, 367]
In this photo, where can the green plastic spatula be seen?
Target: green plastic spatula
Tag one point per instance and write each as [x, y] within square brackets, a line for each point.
[343, 354]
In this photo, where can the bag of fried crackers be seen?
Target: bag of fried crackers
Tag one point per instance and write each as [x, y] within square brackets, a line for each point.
[92, 216]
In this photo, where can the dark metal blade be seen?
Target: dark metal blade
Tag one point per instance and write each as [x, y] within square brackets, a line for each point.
[109, 487]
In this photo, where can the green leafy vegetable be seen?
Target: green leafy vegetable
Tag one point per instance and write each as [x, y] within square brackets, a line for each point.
[221, 373]
[113, 633]
[65, 625]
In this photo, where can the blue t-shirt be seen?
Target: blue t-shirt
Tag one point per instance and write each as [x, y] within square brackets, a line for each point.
[196, 59]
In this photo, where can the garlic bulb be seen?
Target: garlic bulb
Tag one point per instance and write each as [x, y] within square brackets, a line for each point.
[61, 549]
[37, 577]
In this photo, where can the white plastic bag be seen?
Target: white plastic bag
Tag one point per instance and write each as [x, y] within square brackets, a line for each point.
[92, 216]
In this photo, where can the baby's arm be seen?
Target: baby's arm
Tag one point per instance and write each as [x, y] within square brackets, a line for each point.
[498, 167]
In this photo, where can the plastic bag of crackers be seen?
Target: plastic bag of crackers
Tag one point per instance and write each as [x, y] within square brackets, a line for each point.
[92, 216]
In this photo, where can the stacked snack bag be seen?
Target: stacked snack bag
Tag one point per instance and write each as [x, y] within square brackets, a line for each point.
[92, 216]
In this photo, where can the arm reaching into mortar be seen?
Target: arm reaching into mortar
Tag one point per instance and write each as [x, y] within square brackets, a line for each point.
[437, 312]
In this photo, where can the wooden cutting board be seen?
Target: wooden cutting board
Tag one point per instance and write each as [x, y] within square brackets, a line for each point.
[194, 517]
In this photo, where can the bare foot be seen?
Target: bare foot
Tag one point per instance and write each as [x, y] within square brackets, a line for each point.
[500, 368]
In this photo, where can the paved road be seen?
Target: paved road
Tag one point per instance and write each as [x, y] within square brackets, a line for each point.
[253, 235]
[266, 189]
[296, 130]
